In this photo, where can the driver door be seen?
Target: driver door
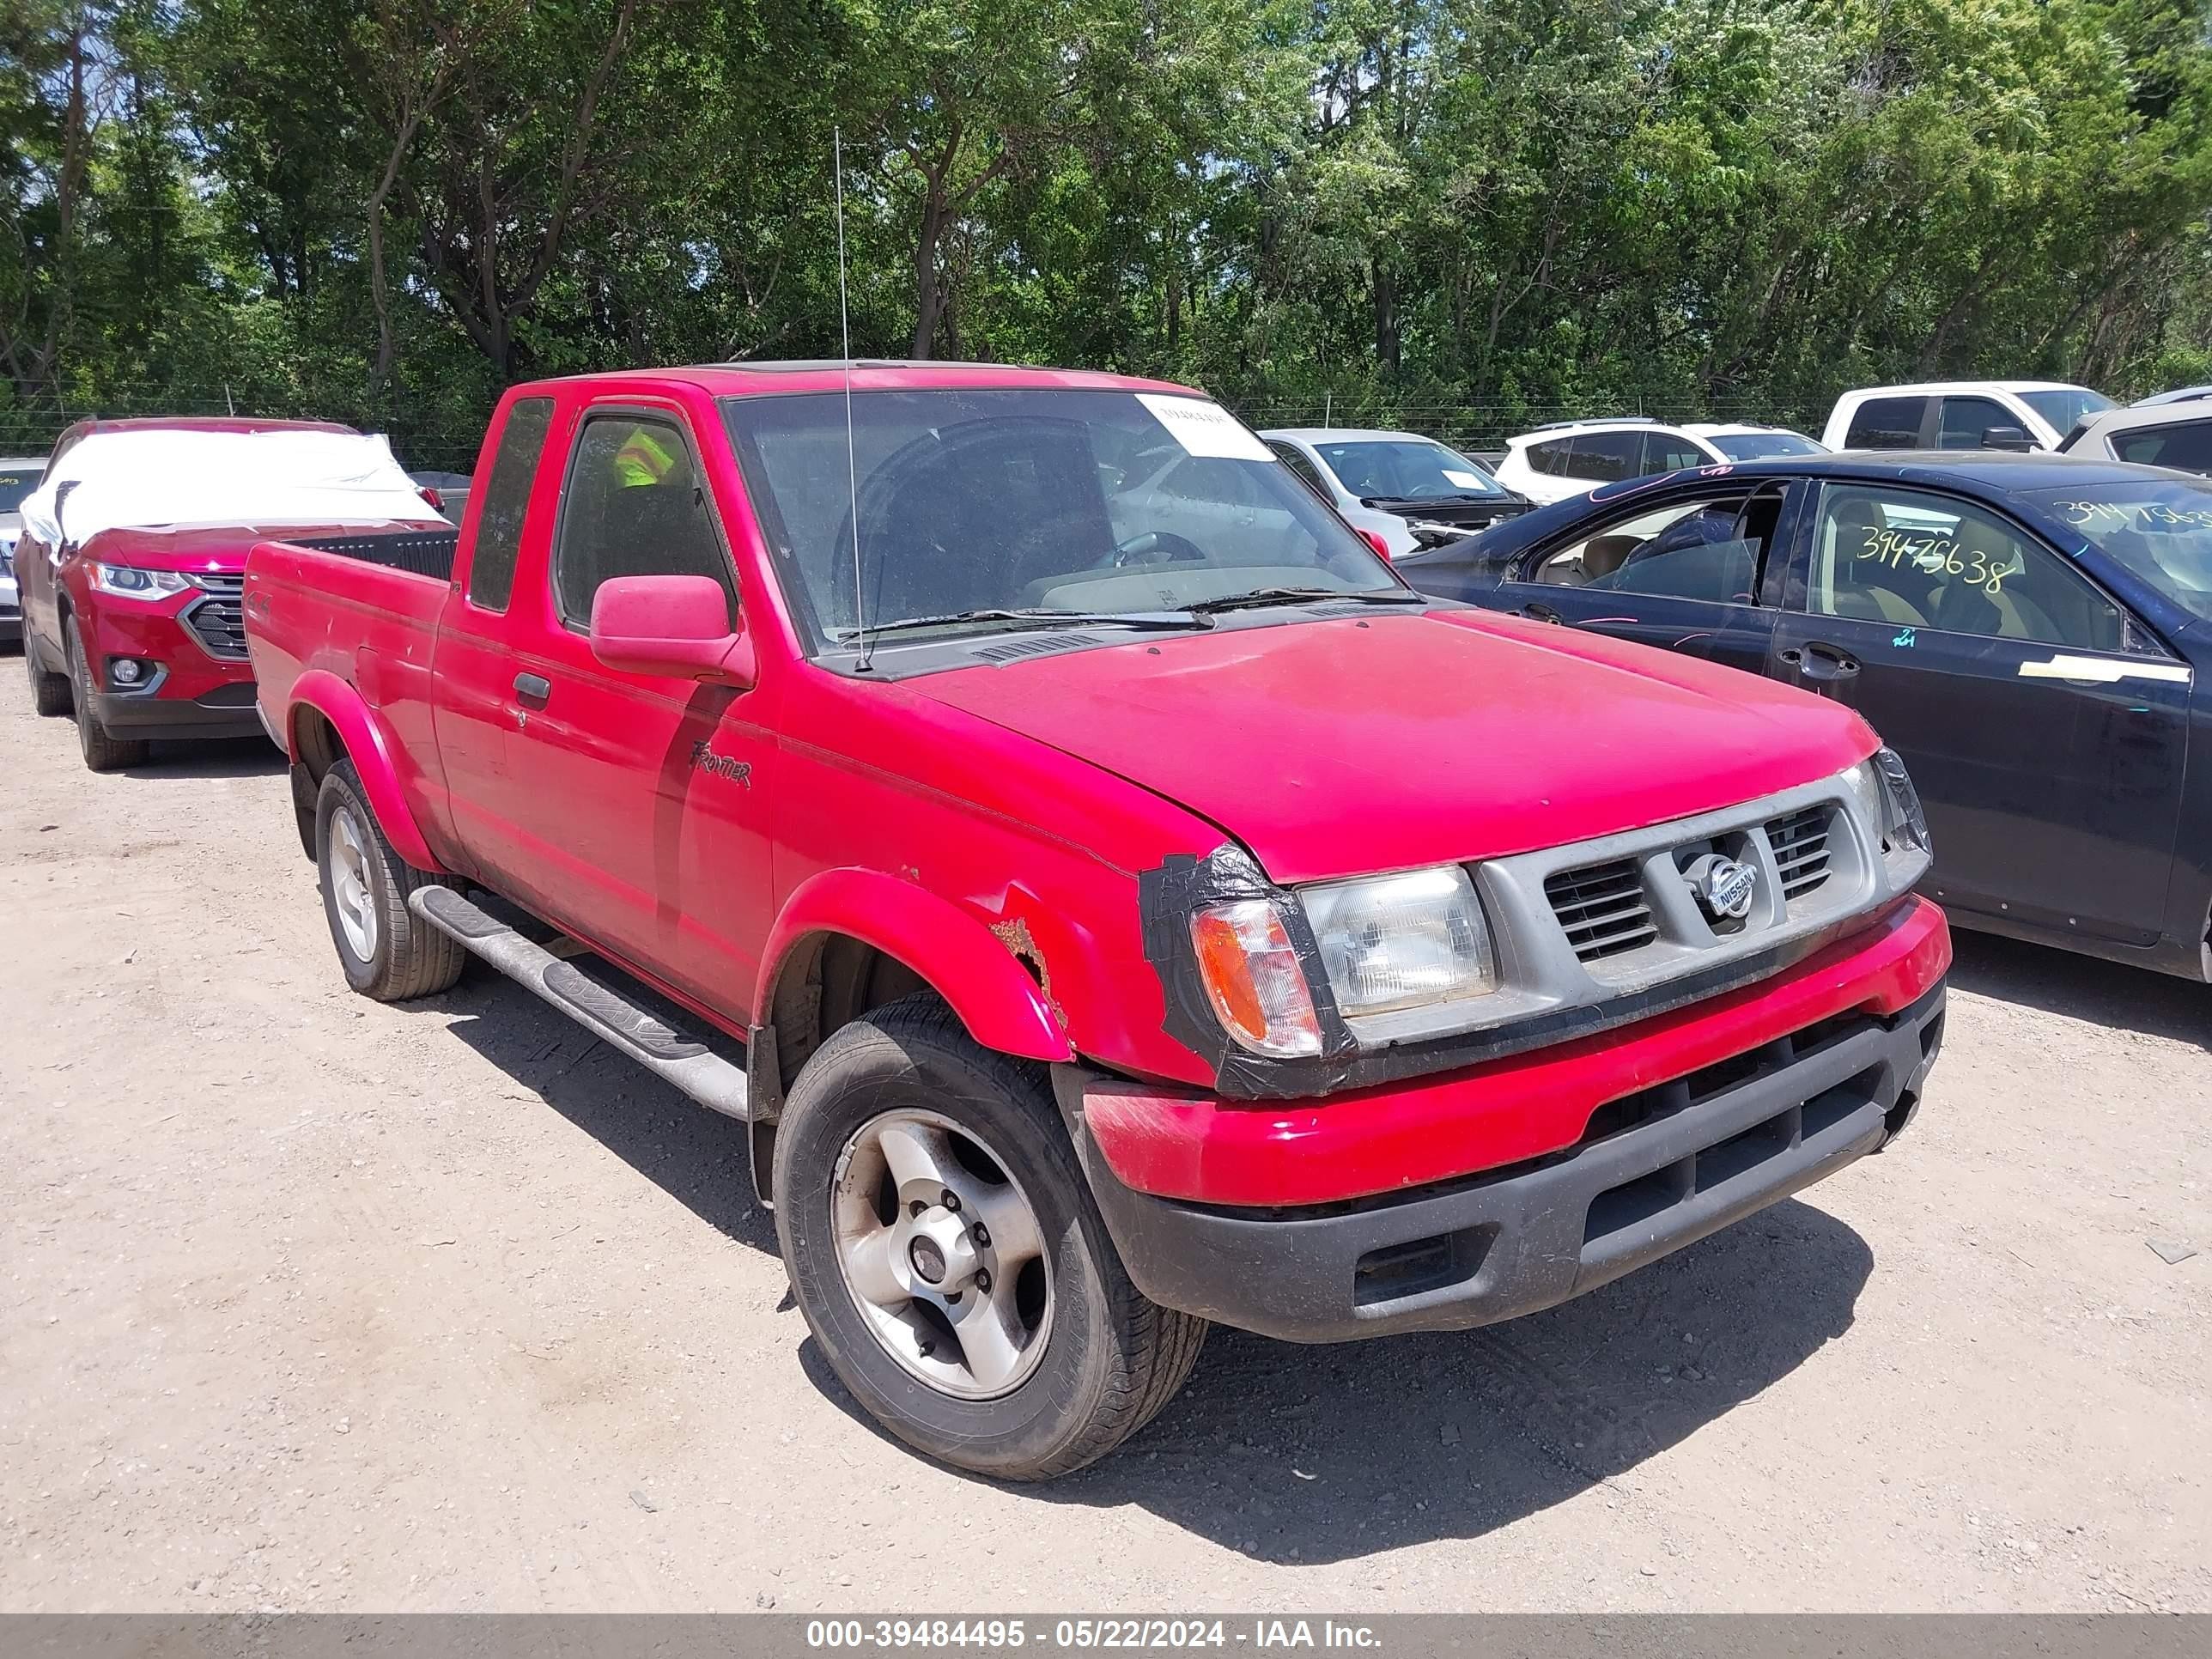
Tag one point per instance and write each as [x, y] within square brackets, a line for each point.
[640, 803]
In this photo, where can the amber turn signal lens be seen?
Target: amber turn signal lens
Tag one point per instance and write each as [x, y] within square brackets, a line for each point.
[1253, 979]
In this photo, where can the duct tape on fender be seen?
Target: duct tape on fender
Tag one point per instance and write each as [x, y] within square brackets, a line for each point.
[1167, 896]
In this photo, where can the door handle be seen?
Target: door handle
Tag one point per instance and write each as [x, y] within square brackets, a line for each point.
[1537, 610]
[533, 688]
[1825, 663]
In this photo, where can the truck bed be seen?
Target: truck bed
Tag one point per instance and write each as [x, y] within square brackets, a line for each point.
[424, 552]
[361, 606]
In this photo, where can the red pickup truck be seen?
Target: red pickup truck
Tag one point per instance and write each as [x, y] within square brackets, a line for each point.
[131, 593]
[1115, 902]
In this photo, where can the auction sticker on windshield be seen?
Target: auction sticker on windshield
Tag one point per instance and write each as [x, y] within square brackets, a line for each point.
[1205, 429]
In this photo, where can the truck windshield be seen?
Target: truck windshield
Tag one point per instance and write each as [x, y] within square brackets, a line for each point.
[972, 502]
[2062, 408]
[2161, 532]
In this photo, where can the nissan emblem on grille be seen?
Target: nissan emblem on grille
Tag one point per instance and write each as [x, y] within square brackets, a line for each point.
[1723, 887]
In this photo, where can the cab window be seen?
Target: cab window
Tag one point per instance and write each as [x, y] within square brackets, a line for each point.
[634, 505]
[1913, 559]
[1887, 423]
[1966, 419]
[1708, 549]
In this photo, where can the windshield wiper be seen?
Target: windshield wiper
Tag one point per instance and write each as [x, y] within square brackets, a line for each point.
[1298, 595]
[1031, 617]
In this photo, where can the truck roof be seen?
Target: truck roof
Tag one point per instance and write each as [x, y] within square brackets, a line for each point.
[868, 374]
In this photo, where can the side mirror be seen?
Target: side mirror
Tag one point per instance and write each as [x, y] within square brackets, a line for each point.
[2013, 438]
[676, 626]
[62, 493]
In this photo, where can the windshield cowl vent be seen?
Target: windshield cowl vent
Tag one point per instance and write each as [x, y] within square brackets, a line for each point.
[1007, 650]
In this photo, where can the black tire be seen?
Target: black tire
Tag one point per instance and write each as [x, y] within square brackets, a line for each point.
[1112, 1358]
[50, 692]
[102, 753]
[408, 957]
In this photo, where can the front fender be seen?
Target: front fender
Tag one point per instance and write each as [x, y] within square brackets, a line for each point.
[370, 751]
[956, 954]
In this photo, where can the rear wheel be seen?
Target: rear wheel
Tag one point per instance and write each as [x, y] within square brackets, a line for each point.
[50, 692]
[388, 951]
[949, 1258]
[102, 753]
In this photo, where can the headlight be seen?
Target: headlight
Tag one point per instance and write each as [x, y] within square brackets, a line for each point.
[1253, 977]
[1389, 943]
[1887, 802]
[128, 581]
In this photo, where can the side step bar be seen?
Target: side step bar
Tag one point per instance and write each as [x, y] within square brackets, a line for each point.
[680, 1058]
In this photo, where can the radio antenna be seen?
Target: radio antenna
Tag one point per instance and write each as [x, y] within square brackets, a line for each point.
[852, 466]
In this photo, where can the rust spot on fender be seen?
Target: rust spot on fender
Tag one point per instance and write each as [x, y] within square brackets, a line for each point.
[1014, 933]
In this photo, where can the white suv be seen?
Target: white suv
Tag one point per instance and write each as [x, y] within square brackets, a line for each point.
[2015, 415]
[2174, 433]
[1571, 458]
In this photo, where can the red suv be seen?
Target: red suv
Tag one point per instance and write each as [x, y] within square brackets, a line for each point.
[137, 627]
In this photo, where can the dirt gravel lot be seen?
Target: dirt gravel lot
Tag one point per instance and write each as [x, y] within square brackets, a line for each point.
[311, 1302]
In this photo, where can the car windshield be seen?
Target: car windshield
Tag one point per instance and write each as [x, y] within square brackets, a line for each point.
[2062, 408]
[14, 484]
[1405, 470]
[1003, 507]
[2161, 532]
[1761, 445]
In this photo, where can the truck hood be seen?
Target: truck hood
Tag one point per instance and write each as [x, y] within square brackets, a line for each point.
[1342, 747]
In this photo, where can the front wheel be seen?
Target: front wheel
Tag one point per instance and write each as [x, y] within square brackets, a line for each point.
[102, 753]
[388, 951]
[949, 1258]
[50, 692]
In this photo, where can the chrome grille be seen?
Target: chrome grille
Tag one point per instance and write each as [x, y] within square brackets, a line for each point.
[1601, 908]
[1801, 849]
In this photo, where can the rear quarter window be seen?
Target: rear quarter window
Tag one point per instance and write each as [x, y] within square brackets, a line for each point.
[2187, 446]
[1550, 457]
[505, 499]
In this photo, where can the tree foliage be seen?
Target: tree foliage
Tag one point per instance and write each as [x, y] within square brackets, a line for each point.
[1453, 212]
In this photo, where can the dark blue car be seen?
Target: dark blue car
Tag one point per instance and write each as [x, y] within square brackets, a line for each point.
[2031, 632]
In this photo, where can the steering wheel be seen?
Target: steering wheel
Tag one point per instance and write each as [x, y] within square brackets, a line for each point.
[1153, 547]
